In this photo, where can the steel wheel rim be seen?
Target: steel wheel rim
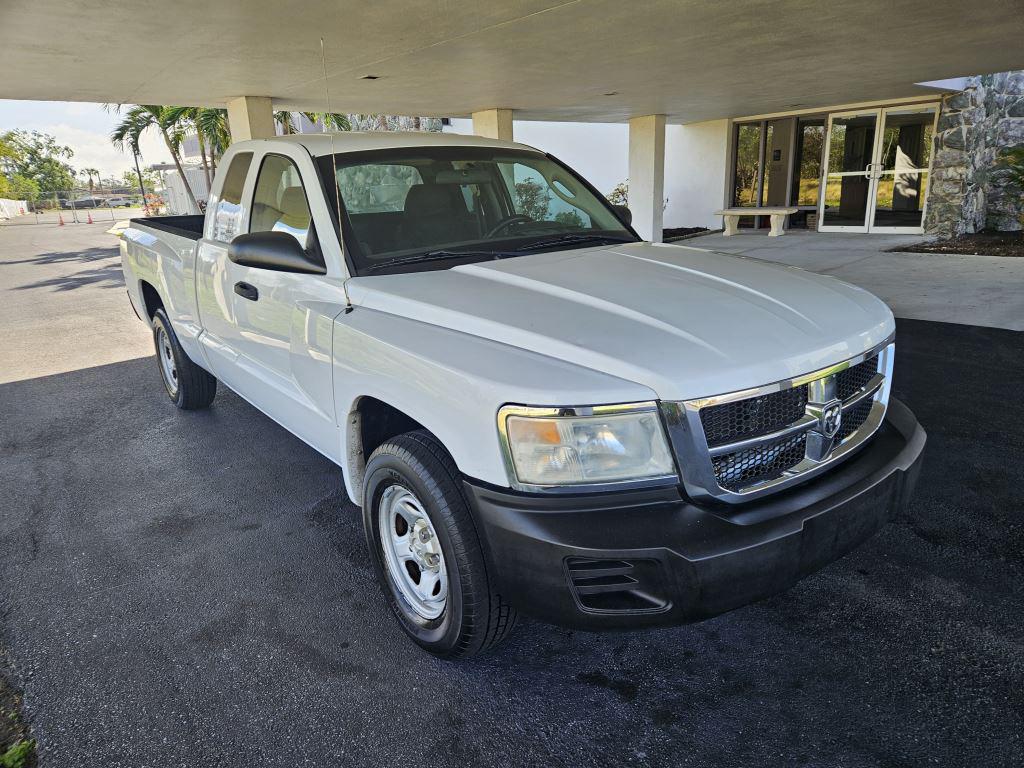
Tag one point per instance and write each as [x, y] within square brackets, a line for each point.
[168, 369]
[412, 553]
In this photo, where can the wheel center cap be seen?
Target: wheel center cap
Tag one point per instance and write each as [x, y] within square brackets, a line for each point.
[422, 544]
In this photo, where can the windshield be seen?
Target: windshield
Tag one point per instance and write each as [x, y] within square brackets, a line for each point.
[436, 207]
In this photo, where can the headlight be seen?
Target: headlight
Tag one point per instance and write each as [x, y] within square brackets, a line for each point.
[584, 446]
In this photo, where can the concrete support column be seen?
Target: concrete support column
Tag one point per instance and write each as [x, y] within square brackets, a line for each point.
[647, 175]
[251, 117]
[493, 123]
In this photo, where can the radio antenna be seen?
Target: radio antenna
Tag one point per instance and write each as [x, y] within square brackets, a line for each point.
[334, 159]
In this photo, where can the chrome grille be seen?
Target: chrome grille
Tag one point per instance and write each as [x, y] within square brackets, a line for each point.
[855, 378]
[763, 462]
[740, 446]
[854, 418]
[730, 422]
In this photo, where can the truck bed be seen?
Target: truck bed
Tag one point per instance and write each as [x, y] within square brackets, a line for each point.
[183, 226]
[160, 252]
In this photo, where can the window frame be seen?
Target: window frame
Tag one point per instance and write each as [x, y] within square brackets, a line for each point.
[792, 164]
[312, 246]
[798, 147]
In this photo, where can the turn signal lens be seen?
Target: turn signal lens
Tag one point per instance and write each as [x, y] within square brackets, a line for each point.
[543, 431]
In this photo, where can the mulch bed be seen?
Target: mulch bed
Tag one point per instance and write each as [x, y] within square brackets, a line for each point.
[681, 232]
[980, 244]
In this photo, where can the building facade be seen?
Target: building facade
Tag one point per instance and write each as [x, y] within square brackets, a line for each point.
[918, 165]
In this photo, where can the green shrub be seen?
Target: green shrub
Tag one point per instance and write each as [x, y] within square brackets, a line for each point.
[1010, 168]
[18, 754]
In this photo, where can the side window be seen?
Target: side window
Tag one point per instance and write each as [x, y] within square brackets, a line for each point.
[279, 202]
[227, 219]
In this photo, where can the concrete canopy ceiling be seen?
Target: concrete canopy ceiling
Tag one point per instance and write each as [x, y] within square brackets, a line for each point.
[589, 60]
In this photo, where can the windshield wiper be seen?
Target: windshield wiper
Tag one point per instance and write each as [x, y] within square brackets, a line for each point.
[571, 239]
[439, 255]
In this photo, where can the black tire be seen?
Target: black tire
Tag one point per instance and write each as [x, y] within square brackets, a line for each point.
[189, 387]
[475, 617]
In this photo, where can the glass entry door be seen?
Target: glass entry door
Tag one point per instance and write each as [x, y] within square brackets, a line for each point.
[876, 170]
[849, 158]
[902, 161]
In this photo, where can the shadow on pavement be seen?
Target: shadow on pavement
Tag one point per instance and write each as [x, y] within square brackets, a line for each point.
[62, 257]
[197, 583]
[107, 276]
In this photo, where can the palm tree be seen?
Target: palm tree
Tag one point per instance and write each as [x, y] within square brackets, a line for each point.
[329, 121]
[90, 172]
[139, 118]
[213, 124]
[180, 119]
[284, 119]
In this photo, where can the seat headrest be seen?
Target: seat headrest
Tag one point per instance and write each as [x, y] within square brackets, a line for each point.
[424, 200]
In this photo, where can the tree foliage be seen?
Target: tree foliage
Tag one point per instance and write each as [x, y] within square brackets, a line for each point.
[130, 179]
[619, 195]
[532, 200]
[167, 121]
[31, 162]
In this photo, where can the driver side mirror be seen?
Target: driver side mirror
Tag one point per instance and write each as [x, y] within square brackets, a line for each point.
[625, 215]
[277, 251]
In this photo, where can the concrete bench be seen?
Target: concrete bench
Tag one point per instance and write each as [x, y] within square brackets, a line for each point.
[731, 218]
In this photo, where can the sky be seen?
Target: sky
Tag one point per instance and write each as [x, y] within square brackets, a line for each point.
[83, 126]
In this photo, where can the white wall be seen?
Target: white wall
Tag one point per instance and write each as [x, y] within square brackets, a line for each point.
[695, 161]
[11, 208]
[695, 173]
[175, 196]
[597, 151]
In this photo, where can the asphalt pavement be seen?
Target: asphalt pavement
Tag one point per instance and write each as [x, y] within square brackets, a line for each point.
[194, 589]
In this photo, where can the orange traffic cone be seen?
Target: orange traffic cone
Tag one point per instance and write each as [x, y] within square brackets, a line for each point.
[60, 219]
[90, 218]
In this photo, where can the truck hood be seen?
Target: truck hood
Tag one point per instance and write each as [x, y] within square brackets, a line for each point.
[684, 322]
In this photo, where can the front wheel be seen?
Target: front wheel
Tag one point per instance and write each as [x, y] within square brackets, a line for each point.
[426, 551]
[189, 386]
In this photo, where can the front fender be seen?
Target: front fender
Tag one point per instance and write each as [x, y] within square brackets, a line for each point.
[453, 384]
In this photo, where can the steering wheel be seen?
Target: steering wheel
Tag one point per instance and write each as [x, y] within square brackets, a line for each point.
[506, 223]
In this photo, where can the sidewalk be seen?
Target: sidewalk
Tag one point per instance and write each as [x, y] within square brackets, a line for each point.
[971, 290]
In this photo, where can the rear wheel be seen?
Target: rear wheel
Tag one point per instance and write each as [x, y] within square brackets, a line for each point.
[426, 550]
[189, 386]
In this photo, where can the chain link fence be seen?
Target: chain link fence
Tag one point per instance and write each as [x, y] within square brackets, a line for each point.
[96, 205]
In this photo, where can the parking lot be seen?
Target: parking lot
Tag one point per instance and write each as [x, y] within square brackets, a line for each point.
[70, 216]
[194, 588]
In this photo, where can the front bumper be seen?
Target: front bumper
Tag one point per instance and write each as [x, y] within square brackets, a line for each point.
[653, 557]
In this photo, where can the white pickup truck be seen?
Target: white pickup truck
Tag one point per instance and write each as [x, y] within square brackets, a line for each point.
[536, 410]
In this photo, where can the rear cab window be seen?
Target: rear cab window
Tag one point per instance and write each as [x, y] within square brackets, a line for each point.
[227, 217]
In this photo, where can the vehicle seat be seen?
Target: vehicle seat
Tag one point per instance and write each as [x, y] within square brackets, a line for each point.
[290, 214]
[436, 214]
[294, 214]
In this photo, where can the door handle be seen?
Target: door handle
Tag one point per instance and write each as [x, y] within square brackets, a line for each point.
[247, 291]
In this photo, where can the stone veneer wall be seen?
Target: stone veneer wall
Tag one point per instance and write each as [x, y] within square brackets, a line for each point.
[974, 127]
